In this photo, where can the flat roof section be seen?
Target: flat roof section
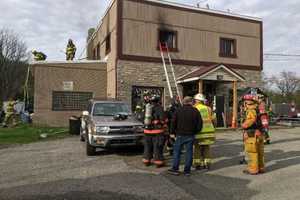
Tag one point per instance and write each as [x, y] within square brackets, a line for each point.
[46, 62]
[220, 12]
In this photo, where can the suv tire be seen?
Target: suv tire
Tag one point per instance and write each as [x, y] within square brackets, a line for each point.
[90, 150]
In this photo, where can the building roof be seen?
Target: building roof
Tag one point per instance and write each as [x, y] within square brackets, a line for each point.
[203, 71]
[46, 62]
[191, 7]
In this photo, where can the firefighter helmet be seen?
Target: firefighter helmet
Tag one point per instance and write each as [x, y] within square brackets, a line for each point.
[200, 97]
[249, 97]
[155, 98]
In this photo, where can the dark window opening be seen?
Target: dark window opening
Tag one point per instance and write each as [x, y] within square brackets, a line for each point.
[228, 47]
[168, 39]
[107, 45]
[70, 101]
[139, 92]
[94, 54]
[98, 52]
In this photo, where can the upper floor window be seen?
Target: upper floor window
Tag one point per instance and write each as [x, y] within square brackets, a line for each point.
[98, 52]
[168, 39]
[107, 44]
[94, 54]
[227, 47]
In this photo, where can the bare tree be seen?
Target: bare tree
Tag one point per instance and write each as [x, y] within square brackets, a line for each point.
[266, 82]
[13, 64]
[287, 83]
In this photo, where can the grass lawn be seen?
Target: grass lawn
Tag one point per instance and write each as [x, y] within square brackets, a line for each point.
[23, 134]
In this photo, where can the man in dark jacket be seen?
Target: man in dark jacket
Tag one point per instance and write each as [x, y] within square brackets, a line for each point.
[186, 123]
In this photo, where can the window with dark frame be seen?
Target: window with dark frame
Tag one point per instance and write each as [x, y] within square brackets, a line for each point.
[98, 51]
[107, 44]
[228, 48]
[70, 101]
[94, 54]
[138, 93]
[169, 38]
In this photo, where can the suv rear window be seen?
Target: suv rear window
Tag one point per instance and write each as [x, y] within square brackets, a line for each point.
[110, 109]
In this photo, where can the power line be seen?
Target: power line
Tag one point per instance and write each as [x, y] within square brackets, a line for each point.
[280, 60]
[282, 55]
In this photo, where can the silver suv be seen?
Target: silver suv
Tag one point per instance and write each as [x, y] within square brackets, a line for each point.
[109, 124]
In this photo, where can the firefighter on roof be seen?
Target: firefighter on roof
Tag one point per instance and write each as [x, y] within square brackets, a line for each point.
[38, 56]
[70, 50]
[253, 137]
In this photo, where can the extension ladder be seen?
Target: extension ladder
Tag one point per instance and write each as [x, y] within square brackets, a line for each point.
[172, 83]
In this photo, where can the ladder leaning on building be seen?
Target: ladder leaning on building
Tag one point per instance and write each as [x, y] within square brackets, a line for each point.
[171, 82]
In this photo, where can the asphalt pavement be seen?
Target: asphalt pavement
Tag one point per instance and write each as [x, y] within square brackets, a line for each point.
[61, 170]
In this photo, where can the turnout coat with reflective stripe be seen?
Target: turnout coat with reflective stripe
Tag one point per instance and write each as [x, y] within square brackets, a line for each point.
[207, 135]
[159, 121]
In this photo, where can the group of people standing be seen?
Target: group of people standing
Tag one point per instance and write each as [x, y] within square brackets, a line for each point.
[191, 126]
[9, 113]
[12, 112]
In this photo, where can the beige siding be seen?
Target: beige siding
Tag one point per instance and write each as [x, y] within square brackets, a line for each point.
[226, 75]
[107, 27]
[175, 17]
[198, 34]
[111, 68]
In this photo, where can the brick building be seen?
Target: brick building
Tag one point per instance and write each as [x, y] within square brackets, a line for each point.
[61, 89]
[214, 52]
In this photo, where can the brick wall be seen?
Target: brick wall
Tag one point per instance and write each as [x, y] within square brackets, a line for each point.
[144, 74]
[49, 77]
[131, 73]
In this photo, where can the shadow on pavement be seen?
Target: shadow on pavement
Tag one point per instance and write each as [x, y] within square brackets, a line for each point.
[133, 186]
[232, 154]
[285, 140]
[122, 151]
[213, 187]
[73, 195]
[282, 159]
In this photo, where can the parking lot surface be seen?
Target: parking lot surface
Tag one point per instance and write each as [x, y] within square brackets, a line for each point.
[61, 170]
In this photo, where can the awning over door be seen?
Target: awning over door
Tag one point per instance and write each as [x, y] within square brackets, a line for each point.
[216, 72]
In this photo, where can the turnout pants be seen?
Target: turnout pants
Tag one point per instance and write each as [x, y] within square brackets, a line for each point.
[202, 156]
[267, 136]
[9, 118]
[255, 153]
[153, 149]
[70, 56]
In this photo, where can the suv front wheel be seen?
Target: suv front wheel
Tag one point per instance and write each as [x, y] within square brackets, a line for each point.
[90, 150]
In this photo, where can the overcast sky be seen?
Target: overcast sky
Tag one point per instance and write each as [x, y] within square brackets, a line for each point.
[46, 25]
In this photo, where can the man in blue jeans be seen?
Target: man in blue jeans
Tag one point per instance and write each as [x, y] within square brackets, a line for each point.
[186, 122]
